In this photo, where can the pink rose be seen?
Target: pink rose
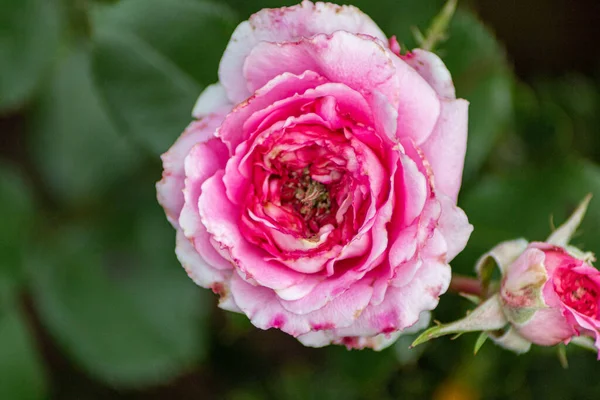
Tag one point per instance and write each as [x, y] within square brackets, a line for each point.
[549, 295]
[316, 191]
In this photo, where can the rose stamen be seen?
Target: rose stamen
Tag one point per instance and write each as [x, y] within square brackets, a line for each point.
[309, 198]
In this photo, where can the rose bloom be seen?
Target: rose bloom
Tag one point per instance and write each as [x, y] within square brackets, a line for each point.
[549, 295]
[316, 190]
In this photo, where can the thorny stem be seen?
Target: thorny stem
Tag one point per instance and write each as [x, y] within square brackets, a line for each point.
[464, 284]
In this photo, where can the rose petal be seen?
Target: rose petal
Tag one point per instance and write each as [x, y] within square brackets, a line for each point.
[401, 307]
[286, 24]
[377, 342]
[263, 308]
[454, 226]
[212, 99]
[433, 70]
[327, 55]
[418, 104]
[203, 160]
[590, 325]
[203, 274]
[445, 148]
[547, 327]
[281, 87]
[221, 219]
[169, 189]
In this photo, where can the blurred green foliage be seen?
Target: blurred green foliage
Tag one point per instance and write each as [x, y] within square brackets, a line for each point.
[93, 303]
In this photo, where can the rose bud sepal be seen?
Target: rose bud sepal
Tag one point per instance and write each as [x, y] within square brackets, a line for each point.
[485, 317]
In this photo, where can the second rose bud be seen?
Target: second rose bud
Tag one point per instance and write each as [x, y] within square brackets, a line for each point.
[549, 293]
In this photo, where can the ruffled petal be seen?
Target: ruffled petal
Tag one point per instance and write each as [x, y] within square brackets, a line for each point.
[377, 342]
[328, 56]
[221, 219]
[202, 162]
[169, 189]
[284, 25]
[402, 306]
[203, 274]
[591, 326]
[263, 308]
[283, 86]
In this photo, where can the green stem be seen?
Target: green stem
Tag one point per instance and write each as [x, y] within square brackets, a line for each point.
[439, 26]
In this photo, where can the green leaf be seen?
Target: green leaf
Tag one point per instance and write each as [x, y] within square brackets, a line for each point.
[522, 205]
[299, 382]
[482, 76]
[198, 31]
[560, 114]
[405, 354]
[21, 374]
[116, 300]
[151, 60]
[246, 8]
[75, 146]
[29, 39]
[480, 341]
[17, 217]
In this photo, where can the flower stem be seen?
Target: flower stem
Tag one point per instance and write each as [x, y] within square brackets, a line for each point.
[437, 31]
[464, 284]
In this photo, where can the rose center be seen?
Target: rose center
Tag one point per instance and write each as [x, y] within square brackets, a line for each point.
[308, 198]
[578, 292]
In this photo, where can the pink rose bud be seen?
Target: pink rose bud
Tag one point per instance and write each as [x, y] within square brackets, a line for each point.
[549, 293]
[316, 190]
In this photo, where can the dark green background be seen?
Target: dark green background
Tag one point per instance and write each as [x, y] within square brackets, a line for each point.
[94, 305]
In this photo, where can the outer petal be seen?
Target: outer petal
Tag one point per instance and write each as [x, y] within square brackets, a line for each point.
[286, 24]
[169, 189]
[380, 70]
[418, 104]
[433, 70]
[592, 326]
[262, 306]
[402, 306]
[377, 342]
[201, 163]
[328, 56]
[213, 98]
[203, 274]
[197, 269]
[547, 327]
[454, 226]
[446, 147]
